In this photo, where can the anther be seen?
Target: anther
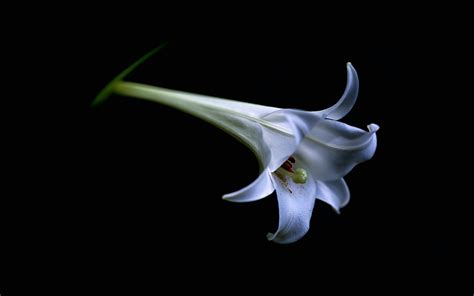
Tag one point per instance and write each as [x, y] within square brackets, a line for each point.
[287, 166]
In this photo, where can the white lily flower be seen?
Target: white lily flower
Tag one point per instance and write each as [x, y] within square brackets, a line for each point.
[302, 155]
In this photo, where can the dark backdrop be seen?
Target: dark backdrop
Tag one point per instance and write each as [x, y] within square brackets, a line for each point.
[128, 195]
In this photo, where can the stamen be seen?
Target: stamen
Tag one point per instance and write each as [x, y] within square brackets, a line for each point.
[292, 159]
[283, 179]
[287, 166]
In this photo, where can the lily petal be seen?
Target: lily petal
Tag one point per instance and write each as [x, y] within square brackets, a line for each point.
[258, 189]
[295, 208]
[333, 148]
[282, 132]
[335, 193]
[290, 126]
[348, 99]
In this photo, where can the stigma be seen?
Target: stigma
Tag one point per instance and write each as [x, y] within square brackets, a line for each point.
[298, 175]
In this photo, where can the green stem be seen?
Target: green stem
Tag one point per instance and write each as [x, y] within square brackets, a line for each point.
[108, 89]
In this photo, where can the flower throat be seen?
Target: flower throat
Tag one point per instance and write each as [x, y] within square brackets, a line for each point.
[298, 175]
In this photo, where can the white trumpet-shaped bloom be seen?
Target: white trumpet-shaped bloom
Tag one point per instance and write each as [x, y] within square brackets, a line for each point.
[303, 155]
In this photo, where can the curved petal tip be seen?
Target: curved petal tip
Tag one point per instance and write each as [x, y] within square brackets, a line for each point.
[348, 98]
[258, 189]
[273, 237]
[373, 127]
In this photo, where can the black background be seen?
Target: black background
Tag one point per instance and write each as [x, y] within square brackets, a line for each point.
[128, 195]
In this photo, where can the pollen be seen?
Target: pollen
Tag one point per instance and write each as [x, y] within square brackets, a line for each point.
[287, 166]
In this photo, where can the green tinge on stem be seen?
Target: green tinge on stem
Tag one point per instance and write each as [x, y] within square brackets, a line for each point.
[109, 88]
